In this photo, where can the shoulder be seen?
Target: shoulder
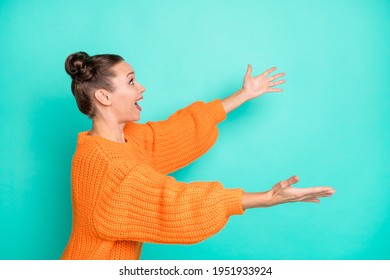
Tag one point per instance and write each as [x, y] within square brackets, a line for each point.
[135, 131]
[89, 151]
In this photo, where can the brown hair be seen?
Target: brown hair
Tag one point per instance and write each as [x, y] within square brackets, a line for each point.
[90, 73]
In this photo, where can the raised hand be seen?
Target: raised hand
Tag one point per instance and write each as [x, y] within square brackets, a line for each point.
[257, 86]
[284, 192]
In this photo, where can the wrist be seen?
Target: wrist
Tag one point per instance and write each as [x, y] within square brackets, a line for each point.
[235, 100]
[257, 200]
[266, 199]
[244, 93]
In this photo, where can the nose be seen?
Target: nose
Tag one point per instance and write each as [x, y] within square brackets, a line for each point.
[141, 89]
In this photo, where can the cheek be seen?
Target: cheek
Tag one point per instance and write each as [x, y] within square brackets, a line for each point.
[123, 106]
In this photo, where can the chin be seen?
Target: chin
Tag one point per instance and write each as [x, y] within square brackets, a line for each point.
[136, 118]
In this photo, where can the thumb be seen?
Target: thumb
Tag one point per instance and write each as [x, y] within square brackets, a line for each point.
[290, 181]
[249, 71]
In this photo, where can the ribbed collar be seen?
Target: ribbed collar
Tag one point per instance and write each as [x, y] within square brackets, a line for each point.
[84, 137]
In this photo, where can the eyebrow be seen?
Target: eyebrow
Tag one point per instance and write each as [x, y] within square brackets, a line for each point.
[129, 74]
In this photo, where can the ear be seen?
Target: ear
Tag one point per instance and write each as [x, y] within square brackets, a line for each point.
[103, 96]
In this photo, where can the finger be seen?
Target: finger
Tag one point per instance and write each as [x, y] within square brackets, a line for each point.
[293, 179]
[322, 195]
[306, 195]
[277, 83]
[289, 181]
[321, 189]
[312, 200]
[266, 73]
[274, 77]
[315, 195]
[274, 89]
[249, 71]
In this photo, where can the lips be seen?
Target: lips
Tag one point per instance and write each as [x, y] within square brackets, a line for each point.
[136, 104]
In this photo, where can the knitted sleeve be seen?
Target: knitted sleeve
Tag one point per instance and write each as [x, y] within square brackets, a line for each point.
[140, 204]
[182, 138]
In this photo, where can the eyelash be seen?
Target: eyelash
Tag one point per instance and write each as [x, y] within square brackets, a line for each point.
[131, 81]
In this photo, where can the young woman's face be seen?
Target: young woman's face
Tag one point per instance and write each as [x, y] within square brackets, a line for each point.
[127, 94]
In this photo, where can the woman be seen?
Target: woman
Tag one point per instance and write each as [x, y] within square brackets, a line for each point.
[121, 194]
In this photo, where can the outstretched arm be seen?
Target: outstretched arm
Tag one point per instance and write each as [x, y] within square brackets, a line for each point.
[140, 204]
[284, 192]
[182, 138]
[187, 134]
[252, 87]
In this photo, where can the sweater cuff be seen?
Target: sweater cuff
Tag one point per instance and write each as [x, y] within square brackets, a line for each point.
[232, 200]
[216, 110]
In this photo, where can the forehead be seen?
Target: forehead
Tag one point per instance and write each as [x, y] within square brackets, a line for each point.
[123, 68]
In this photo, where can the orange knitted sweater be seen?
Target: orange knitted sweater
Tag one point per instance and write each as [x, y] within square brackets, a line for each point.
[122, 195]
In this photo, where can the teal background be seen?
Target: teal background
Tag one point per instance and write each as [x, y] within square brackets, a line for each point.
[329, 126]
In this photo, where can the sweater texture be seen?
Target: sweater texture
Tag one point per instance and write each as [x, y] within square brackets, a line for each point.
[122, 195]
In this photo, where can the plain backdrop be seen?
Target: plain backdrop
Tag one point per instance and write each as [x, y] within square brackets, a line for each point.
[329, 126]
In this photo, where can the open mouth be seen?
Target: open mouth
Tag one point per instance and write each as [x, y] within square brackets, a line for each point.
[136, 104]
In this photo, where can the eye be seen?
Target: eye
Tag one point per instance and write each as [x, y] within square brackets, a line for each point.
[131, 82]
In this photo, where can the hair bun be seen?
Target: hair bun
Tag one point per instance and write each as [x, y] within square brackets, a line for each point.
[79, 66]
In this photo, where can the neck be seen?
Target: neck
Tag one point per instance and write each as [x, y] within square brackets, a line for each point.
[108, 129]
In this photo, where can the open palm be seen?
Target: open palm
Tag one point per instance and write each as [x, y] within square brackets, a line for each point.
[284, 192]
[256, 86]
